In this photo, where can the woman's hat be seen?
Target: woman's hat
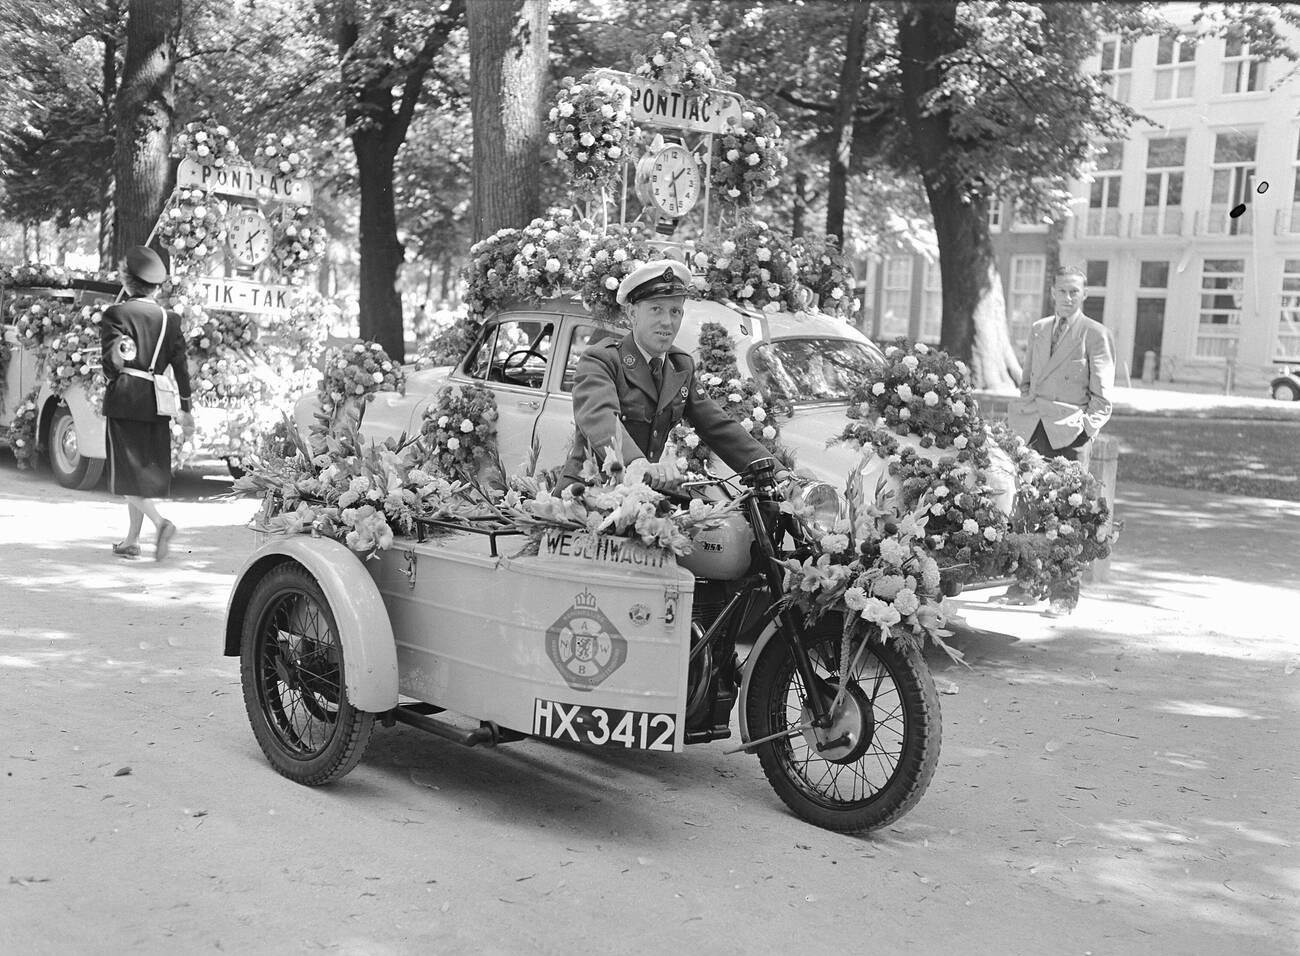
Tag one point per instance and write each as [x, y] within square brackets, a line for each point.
[144, 264]
[655, 280]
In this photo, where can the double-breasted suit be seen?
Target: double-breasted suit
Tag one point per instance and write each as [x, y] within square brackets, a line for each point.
[142, 321]
[1066, 389]
[616, 404]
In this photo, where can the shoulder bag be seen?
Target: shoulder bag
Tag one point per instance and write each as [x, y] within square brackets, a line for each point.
[164, 389]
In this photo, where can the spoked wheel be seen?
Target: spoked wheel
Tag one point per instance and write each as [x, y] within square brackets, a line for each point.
[875, 760]
[291, 667]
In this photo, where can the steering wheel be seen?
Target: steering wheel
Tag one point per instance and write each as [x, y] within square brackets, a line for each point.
[523, 357]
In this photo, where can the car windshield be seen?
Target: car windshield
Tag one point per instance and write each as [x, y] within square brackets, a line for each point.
[799, 371]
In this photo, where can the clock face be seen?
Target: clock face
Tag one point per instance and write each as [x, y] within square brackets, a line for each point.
[249, 235]
[672, 180]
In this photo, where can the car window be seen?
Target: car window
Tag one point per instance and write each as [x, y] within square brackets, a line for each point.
[810, 370]
[513, 351]
[583, 337]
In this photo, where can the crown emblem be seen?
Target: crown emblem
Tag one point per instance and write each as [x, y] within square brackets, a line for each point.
[585, 600]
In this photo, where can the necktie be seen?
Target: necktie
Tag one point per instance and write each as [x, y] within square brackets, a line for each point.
[1058, 330]
[657, 372]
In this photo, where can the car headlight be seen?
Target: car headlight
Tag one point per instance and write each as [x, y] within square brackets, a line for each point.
[820, 504]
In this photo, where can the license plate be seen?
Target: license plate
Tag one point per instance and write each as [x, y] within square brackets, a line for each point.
[603, 726]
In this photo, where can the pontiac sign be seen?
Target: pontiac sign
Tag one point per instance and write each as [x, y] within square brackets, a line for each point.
[242, 180]
[658, 104]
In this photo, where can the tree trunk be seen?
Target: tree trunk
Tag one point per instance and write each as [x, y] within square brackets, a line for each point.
[107, 92]
[146, 109]
[508, 61]
[846, 103]
[974, 309]
[379, 304]
[800, 210]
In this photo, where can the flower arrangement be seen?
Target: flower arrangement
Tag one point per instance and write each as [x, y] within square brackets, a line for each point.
[460, 431]
[299, 242]
[37, 318]
[608, 261]
[192, 228]
[299, 339]
[755, 268]
[748, 157]
[824, 269]
[221, 360]
[591, 128]
[682, 57]
[277, 153]
[355, 373]
[206, 142]
[72, 356]
[539, 261]
[37, 275]
[924, 392]
[22, 430]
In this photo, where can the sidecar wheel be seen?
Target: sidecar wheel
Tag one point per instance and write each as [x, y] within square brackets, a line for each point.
[888, 724]
[291, 667]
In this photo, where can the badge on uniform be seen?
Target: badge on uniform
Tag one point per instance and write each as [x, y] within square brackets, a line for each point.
[629, 361]
[685, 391]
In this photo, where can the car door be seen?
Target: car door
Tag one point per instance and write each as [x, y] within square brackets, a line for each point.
[512, 357]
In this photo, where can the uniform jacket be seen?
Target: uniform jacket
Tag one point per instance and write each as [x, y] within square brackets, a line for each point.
[1068, 389]
[141, 320]
[613, 387]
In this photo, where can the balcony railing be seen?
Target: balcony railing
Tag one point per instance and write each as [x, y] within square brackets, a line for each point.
[1219, 223]
[1162, 222]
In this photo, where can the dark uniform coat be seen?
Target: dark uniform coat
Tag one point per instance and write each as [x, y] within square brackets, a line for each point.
[141, 320]
[613, 387]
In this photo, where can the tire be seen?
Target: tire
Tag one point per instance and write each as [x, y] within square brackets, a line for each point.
[891, 707]
[71, 469]
[1285, 391]
[291, 667]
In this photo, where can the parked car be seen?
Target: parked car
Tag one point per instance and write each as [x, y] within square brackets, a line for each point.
[528, 357]
[1286, 387]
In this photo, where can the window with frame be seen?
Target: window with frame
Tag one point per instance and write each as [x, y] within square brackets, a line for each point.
[1028, 277]
[1287, 346]
[512, 352]
[995, 215]
[1117, 67]
[1175, 67]
[1234, 178]
[1103, 194]
[931, 304]
[896, 301]
[1162, 201]
[1242, 73]
[1097, 273]
[1223, 283]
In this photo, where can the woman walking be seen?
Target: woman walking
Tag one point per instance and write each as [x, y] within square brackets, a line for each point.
[140, 338]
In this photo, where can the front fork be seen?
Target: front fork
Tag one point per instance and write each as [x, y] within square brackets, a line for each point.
[766, 520]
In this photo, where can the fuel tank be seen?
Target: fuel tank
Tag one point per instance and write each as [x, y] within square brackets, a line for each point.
[721, 553]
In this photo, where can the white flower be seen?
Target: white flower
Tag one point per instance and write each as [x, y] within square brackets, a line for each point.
[904, 414]
[658, 59]
[940, 491]
[887, 586]
[752, 159]
[878, 388]
[906, 602]
[728, 247]
[1065, 528]
[970, 526]
[960, 442]
[959, 408]
[834, 543]
[453, 443]
[769, 432]
[911, 361]
[614, 152]
[733, 155]
[760, 413]
[565, 109]
[931, 399]
[949, 380]
[611, 283]
[991, 533]
[733, 396]
[586, 139]
[692, 440]
[442, 422]
[552, 264]
[378, 377]
[904, 391]
[1075, 500]
[466, 426]
[855, 598]
[1050, 534]
[747, 424]
[893, 551]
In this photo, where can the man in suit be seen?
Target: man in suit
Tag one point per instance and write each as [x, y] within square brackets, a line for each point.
[1068, 375]
[1066, 386]
[629, 392]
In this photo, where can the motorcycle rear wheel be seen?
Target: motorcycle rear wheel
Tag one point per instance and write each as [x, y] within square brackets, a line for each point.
[890, 714]
[292, 671]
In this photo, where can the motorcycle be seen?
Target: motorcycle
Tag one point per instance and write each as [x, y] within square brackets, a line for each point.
[646, 655]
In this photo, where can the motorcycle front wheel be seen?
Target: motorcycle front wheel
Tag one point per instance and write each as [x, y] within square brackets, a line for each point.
[876, 759]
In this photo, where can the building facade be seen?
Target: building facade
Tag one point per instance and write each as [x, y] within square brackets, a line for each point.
[1189, 229]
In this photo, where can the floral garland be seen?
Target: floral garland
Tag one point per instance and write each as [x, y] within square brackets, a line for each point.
[719, 373]
[609, 260]
[755, 268]
[300, 242]
[192, 228]
[278, 154]
[537, 262]
[355, 373]
[748, 156]
[206, 142]
[591, 128]
[825, 270]
[221, 361]
[923, 392]
[65, 339]
[37, 275]
[299, 340]
[460, 431]
[682, 57]
[22, 430]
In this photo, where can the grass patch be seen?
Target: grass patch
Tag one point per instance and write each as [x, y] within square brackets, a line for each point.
[1260, 459]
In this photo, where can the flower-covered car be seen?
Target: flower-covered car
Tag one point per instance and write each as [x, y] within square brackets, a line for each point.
[805, 365]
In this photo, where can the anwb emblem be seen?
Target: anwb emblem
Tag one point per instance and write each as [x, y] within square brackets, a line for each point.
[584, 645]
